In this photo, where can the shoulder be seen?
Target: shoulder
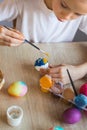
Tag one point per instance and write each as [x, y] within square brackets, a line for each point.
[83, 24]
[84, 18]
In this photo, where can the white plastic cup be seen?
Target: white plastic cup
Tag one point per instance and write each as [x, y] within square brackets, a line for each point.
[14, 115]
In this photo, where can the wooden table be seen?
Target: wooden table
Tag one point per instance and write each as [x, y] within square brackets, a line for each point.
[41, 110]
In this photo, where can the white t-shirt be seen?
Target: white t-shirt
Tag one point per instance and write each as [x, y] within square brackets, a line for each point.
[38, 23]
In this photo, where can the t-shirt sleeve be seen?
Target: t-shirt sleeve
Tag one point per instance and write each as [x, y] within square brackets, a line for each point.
[83, 24]
[8, 10]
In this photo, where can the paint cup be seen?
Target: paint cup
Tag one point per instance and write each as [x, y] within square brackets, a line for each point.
[14, 115]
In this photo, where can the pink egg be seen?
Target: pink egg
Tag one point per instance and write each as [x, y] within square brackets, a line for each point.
[83, 89]
[71, 115]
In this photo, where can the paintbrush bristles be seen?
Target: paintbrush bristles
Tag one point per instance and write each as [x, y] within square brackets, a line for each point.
[44, 52]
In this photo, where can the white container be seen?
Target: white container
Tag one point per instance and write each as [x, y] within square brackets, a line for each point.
[14, 115]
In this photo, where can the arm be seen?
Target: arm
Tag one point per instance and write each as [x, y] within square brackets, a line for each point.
[9, 11]
[59, 73]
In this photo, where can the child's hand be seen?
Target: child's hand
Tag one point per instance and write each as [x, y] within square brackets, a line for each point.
[59, 73]
[10, 37]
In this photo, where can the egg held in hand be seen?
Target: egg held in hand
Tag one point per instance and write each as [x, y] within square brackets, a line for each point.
[41, 63]
[17, 89]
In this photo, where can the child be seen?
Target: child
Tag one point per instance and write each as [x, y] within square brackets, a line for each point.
[43, 21]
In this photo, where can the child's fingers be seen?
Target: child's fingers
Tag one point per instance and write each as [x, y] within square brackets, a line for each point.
[14, 30]
[57, 69]
[17, 32]
[55, 66]
[44, 71]
[56, 80]
[55, 75]
[54, 70]
[10, 45]
[50, 66]
[11, 32]
[5, 44]
[8, 41]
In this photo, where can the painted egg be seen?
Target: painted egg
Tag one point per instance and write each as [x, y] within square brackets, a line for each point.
[72, 115]
[56, 128]
[80, 101]
[83, 89]
[17, 89]
[41, 63]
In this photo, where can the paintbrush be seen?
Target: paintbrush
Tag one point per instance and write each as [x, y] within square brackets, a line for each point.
[71, 81]
[42, 51]
[26, 41]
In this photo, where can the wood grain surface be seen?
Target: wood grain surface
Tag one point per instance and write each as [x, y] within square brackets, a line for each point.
[41, 110]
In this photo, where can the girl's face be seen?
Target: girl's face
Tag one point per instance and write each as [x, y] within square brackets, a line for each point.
[69, 9]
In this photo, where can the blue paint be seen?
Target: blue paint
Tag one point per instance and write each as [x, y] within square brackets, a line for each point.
[39, 62]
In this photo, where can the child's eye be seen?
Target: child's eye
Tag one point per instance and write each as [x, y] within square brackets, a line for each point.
[63, 5]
